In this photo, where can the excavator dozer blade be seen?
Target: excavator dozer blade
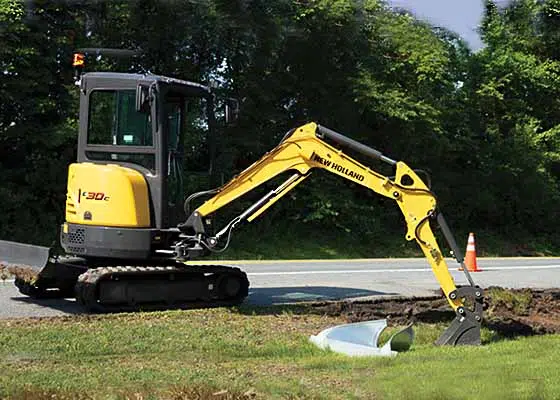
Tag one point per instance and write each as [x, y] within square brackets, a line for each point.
[36, 273]
[21, 256]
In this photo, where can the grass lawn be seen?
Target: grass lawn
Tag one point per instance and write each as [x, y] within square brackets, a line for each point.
[255, 353]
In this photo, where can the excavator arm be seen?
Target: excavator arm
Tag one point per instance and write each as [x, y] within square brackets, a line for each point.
[308, 147]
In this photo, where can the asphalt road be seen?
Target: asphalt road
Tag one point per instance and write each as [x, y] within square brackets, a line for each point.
[276, 282]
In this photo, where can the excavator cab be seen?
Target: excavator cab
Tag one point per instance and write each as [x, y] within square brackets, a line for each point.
[162, 127]
[140, 138]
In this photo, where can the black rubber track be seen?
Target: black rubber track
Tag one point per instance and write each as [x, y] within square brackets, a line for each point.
[87, 288]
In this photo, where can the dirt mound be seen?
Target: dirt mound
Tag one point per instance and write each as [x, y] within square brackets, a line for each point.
[23, 272]
[508, 311]
[523, 312]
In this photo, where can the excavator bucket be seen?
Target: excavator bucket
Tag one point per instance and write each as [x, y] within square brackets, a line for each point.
[462, 331]
[465, 328]
[36, 273]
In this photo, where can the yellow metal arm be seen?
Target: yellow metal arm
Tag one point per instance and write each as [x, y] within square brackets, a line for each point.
[305, 149]
[300, 152]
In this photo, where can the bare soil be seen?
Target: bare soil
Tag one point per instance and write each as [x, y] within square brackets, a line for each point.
[23, 272]
[511, 312]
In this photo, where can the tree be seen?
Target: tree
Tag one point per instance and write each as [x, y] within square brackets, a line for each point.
[36, 117]
[514, 90]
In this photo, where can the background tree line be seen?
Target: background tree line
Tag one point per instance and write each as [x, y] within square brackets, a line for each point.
[485, 125]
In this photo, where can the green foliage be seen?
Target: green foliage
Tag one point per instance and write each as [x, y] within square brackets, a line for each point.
[37, 123]
[514, 97]
[484, 124]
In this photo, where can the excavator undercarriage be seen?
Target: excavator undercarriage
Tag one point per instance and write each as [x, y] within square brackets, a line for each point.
[127, 288]
[104, 286]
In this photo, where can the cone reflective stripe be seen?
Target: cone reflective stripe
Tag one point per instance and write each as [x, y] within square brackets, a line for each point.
[470, 256]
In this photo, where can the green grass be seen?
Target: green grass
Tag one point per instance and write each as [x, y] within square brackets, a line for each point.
[248, 353]
[518, 302]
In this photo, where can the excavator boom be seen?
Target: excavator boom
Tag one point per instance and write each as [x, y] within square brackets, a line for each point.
[308, 147]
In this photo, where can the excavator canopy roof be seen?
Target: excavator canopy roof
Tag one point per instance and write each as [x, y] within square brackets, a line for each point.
[117, 80]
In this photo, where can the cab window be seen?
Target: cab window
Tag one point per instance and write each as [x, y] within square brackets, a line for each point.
[113, 120]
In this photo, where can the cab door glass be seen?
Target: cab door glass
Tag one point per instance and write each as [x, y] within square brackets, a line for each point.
[188, 163]
[197, 146]
[174, 110]
[113, 119]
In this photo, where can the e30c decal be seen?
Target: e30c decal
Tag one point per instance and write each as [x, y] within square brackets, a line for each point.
[100, 196]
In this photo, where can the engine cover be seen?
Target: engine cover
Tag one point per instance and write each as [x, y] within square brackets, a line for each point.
[107, 195]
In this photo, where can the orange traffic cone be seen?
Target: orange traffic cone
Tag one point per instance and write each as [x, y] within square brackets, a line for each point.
[470, 257]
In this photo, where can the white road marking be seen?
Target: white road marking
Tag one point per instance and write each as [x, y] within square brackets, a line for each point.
[349, 271]
[351, 260]
[553, 266]
[367, 271]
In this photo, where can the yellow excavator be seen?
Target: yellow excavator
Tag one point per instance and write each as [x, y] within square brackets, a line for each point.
[129, 237]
